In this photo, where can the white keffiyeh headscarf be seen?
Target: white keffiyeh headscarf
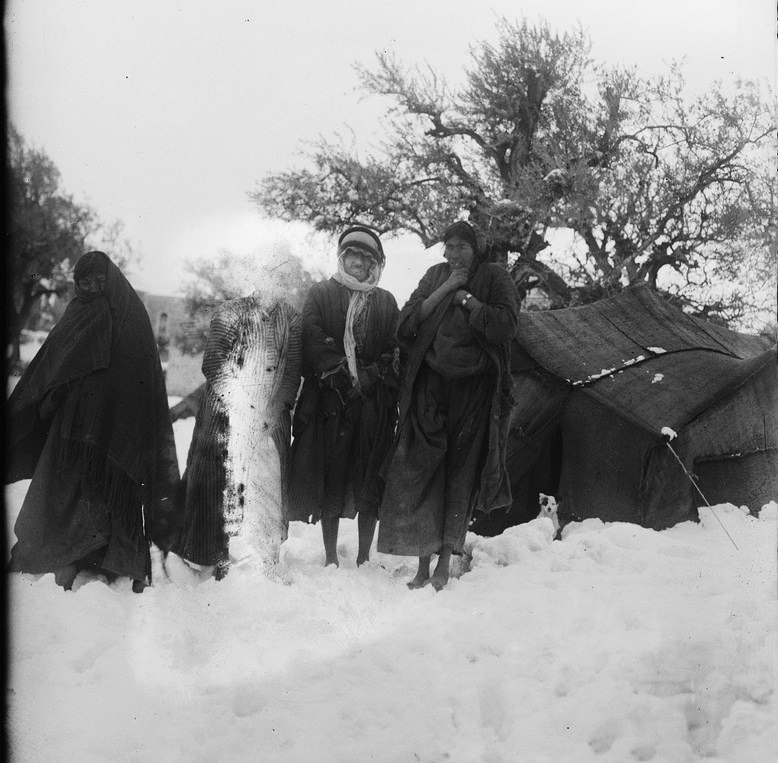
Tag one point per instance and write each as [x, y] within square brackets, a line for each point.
[358, 292]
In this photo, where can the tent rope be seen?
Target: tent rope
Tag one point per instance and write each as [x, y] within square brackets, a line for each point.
[697, 488]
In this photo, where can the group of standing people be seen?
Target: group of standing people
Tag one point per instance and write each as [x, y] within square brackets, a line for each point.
[402, 417]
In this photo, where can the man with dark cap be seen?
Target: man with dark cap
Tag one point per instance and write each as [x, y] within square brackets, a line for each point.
[449, 454]
[344, 419]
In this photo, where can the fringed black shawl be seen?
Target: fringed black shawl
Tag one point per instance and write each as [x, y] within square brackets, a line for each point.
[99, 369]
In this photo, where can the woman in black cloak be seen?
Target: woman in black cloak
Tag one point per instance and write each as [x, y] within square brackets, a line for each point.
[88, 422]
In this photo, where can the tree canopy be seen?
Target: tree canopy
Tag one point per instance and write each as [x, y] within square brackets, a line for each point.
[48, 232]
[650, 184]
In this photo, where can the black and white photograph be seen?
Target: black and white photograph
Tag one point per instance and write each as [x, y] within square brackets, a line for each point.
[391, 382]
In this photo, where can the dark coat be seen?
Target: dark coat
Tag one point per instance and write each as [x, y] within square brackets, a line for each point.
[325, 395]
[494, 324]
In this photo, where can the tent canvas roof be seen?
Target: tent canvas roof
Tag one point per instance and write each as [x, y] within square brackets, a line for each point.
[641, 357]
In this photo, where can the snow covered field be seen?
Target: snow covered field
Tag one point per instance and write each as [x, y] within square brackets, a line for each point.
[615, 644]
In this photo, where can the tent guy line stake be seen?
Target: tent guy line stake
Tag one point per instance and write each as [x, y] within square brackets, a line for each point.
[697, 488]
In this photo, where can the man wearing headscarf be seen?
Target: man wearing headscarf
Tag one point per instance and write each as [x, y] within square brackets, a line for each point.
[455, 402]
[344, 419]
[234, 503]
[89, 423]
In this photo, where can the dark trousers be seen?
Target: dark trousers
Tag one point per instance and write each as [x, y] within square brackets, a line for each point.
[434, 477]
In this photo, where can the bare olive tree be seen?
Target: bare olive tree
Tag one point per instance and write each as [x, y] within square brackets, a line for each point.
[651, 185]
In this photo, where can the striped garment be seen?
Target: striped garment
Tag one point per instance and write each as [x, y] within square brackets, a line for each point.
[234, 485]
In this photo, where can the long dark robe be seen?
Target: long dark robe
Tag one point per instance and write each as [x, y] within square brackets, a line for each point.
[340, 442]
[203, 538]
[493, 325]
[89, 423]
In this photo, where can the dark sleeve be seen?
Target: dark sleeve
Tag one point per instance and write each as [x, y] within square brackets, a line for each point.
[386, 367]
[321, 352]
[52, 400]
[287, 389]
[393, 319]
[410, 315]
[222, 335]
[497, 318]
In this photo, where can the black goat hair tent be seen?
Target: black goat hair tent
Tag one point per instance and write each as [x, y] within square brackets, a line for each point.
[595, 386]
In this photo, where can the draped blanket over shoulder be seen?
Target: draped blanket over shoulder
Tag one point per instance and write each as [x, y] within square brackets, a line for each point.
[89, 423]
[425, 482]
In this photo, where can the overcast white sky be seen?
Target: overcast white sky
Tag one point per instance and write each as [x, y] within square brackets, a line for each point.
[164, 114]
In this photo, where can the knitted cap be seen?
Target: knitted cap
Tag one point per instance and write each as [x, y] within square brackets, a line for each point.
[360, 237]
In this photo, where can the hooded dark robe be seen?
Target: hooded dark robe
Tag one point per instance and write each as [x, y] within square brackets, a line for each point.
[89, 423]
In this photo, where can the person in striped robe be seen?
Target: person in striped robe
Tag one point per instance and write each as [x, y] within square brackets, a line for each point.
[235, 492]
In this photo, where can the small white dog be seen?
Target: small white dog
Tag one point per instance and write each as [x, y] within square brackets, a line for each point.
[556, 512]
[550, 508]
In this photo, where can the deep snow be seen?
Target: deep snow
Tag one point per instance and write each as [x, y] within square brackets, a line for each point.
[617, 643]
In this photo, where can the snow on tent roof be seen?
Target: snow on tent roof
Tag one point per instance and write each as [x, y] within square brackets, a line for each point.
[641, 357]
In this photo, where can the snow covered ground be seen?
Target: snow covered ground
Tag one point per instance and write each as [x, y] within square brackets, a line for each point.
[615, 644]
